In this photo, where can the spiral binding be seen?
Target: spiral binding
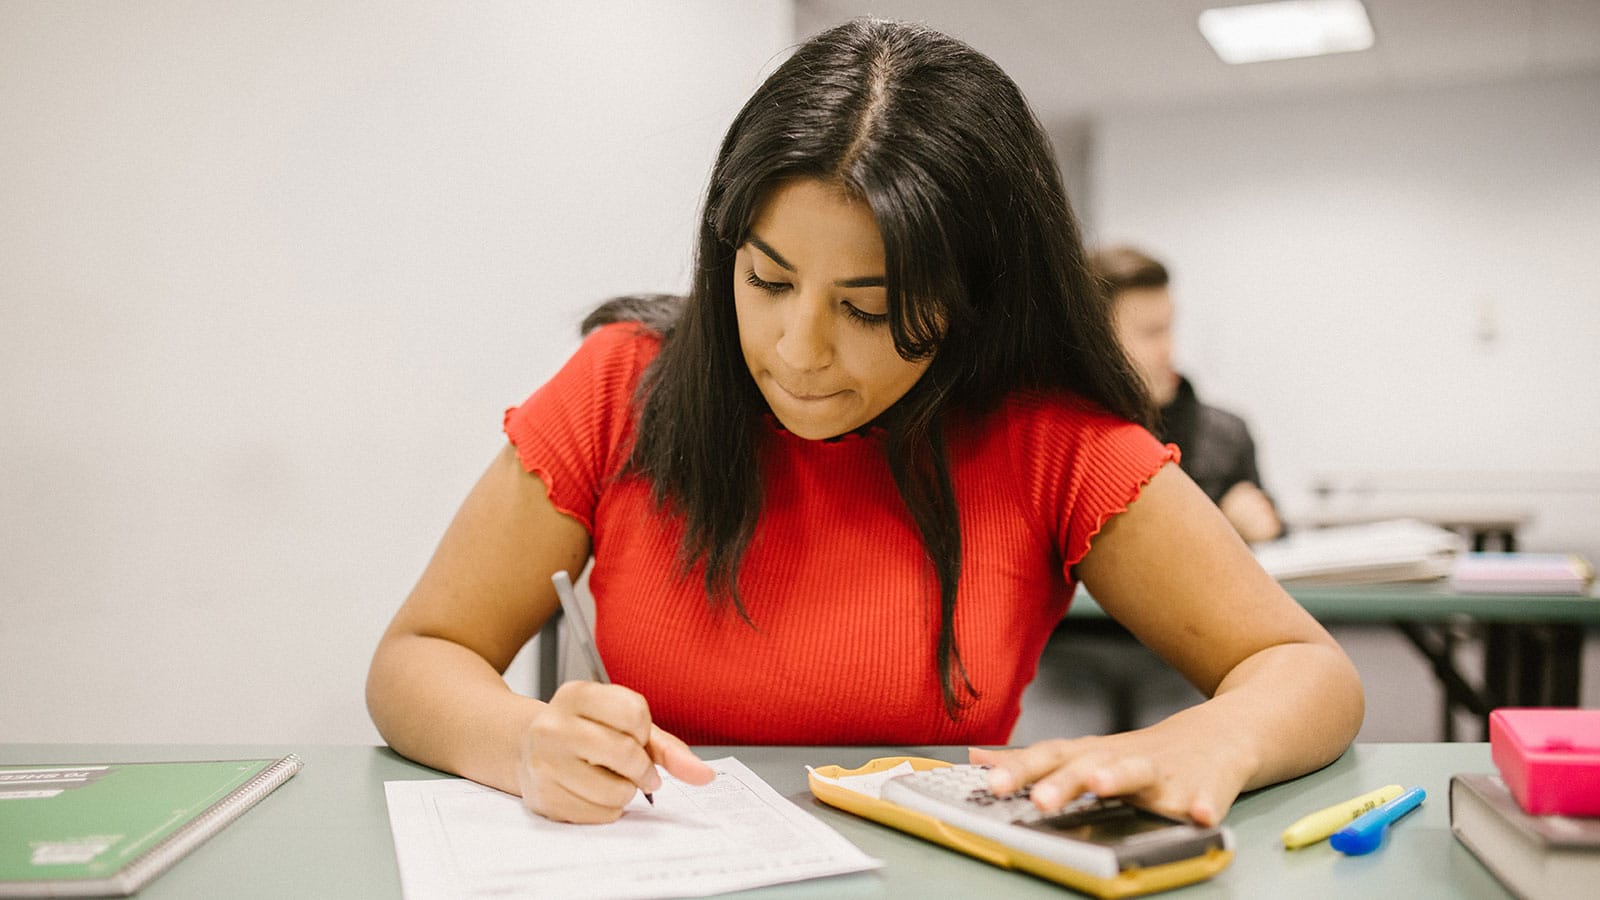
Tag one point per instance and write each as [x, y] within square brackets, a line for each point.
[174, 846]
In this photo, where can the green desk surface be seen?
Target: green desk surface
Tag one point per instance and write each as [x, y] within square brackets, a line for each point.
[325, 833]
[1424, 601]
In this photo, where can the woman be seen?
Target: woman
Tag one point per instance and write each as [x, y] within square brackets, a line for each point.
[844, 493]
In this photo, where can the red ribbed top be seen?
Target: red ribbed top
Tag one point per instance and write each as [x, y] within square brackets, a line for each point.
[836, 582]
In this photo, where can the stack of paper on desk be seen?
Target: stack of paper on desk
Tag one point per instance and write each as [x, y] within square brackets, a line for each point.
[1395, 550]
[1522, 573]
[457, 839]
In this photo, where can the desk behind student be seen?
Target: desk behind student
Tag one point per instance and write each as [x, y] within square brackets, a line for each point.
[326, 832]
[1532, 647]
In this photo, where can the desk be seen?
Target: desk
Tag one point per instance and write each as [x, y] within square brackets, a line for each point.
[325, 833]
[1533, 644]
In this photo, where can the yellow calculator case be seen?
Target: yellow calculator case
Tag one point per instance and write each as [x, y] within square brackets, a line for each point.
[1128, 883]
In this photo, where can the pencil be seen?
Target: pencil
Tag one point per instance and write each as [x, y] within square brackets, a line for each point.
[584, 635]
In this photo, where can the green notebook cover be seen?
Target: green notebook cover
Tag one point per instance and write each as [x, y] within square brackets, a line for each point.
[107, 829]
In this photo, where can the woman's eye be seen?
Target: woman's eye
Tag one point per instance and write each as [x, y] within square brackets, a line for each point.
[866, 318]
[761, 284]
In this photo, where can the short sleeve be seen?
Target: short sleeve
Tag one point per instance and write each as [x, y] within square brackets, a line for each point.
[1084, 465]
[574, 432]
[1116, 464]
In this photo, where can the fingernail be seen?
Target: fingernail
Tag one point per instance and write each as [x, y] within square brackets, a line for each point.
[1048, 796]
[1001, 782]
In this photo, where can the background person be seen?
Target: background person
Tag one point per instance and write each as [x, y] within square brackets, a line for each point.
[1218, 452]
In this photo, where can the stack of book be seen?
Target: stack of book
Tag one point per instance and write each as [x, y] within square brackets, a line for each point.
[1369, 553]
[1535, 857]
[1536, 825]
[1522, 573]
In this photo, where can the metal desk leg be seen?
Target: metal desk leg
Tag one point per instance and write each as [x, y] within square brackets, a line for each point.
[1439, 649]
[1535, 664]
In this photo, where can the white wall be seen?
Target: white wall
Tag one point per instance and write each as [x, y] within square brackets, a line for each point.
[270, 272]
[1403, 282]
[269, 275]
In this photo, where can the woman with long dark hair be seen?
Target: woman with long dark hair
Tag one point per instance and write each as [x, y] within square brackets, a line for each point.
[843, 491]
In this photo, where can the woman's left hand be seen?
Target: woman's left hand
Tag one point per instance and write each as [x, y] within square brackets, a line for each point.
[1171, 768]
[1284, 699]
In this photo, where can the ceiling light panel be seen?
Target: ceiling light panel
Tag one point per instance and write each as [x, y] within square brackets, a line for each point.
[1259, 32]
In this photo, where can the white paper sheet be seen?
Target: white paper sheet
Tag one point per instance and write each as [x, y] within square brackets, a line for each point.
[868, 785]
[458, 839]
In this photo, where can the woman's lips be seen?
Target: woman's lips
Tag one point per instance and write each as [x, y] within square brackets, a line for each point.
[807, 395]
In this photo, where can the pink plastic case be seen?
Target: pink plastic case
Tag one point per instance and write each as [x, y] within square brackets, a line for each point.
[1549, 758]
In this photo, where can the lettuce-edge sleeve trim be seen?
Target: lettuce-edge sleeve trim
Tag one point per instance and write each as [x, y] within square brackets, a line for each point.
[573, 432]
[1171, 455]
[517, 432]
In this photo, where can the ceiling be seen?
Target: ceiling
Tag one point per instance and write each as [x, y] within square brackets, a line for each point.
[1077, 57]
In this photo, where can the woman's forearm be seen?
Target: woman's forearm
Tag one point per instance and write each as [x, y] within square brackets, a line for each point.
[443, 705]
[1293, 708]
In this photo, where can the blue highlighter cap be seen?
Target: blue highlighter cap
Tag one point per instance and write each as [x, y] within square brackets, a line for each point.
[1365, 834]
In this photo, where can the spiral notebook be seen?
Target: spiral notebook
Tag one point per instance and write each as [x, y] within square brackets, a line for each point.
[108, 829]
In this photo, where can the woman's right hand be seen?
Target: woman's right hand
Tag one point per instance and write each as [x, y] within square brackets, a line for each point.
[591, 748]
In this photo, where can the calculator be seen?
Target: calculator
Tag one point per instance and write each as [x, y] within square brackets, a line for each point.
[1099, 836]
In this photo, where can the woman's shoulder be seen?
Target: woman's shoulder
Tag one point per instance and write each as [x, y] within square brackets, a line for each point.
[1054, 409]
[596, 382]
[574, 430]
[1055, 430]
[625, 344]
[610, 361]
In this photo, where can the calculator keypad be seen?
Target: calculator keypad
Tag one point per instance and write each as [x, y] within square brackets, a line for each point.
[968, 786]
[1099, 836]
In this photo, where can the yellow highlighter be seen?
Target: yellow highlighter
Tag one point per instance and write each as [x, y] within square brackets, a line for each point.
[1324, 822]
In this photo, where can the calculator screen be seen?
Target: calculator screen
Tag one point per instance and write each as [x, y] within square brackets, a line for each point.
[1103, 824]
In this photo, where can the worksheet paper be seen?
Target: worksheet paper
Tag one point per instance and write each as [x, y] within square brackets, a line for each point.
[458, 839]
